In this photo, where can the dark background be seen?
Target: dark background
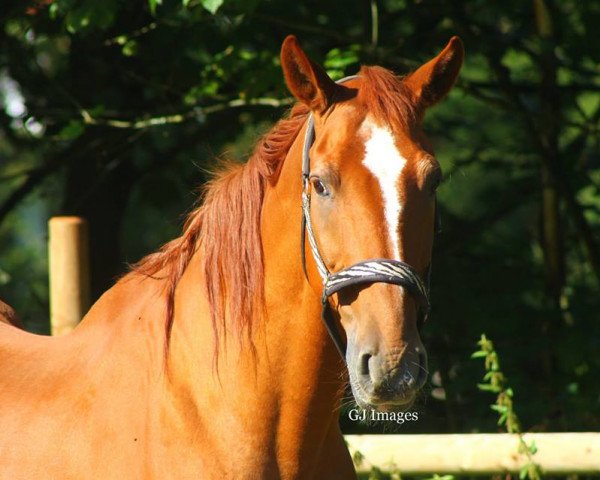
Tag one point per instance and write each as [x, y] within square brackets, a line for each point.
[116, 110]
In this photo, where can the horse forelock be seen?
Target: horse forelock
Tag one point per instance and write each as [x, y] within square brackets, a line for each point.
[387, 99]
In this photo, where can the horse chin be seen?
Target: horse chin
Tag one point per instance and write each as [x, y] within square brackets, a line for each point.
[398, 404]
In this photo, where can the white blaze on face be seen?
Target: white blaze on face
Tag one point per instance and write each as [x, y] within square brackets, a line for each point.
[384, 161]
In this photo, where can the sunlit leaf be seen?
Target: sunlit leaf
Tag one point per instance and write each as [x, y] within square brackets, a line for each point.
[153, 4]
[211, 5]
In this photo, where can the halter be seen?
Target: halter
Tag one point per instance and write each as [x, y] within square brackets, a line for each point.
[377, 270]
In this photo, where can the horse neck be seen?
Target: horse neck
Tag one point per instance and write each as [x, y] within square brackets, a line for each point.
[299, 339]
[289, 383]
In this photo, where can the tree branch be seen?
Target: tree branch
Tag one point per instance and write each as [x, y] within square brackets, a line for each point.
[198, 113]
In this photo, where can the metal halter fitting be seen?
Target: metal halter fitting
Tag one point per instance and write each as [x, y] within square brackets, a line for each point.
[369, 271]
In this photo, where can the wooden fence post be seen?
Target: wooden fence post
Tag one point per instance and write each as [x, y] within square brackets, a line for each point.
[69, 273]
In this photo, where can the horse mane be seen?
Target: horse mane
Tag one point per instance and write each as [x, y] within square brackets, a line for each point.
[226, 226]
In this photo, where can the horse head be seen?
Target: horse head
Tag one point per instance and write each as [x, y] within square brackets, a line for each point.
[371, 184]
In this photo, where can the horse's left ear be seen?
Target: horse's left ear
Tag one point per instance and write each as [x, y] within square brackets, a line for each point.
[307, 81]
[433, 80]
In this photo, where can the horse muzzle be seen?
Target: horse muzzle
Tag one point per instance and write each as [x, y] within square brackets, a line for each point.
[386, 382]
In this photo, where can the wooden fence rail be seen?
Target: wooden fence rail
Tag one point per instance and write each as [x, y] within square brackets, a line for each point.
[558, 453]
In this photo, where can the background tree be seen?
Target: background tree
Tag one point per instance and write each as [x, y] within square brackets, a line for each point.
[118, 110]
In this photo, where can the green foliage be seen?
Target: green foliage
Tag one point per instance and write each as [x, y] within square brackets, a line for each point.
[212, 5]
[153, 4]
[85, 15]
[339, 60]
[72, 130]
[496, 382]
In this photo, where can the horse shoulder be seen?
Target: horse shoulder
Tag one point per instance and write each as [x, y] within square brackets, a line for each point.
[89, 392]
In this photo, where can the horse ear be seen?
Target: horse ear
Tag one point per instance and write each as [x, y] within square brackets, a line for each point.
[307, 81]
[433, 80]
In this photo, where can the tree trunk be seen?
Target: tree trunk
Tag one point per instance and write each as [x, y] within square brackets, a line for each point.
[549, 129]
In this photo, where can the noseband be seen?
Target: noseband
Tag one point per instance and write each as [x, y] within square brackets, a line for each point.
[377, 270]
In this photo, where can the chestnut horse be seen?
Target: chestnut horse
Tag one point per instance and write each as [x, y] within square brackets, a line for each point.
[209, 359]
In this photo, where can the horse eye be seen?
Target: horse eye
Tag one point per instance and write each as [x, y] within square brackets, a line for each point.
[320, 187]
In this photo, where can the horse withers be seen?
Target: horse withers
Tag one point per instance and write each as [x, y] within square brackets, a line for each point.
[209, 359]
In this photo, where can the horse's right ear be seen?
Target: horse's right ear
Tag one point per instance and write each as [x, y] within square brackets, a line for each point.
[307, 81]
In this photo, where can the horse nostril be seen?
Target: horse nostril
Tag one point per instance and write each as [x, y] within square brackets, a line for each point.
[364, 364]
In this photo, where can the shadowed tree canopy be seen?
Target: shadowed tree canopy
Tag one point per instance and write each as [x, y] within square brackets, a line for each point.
[118, 111]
